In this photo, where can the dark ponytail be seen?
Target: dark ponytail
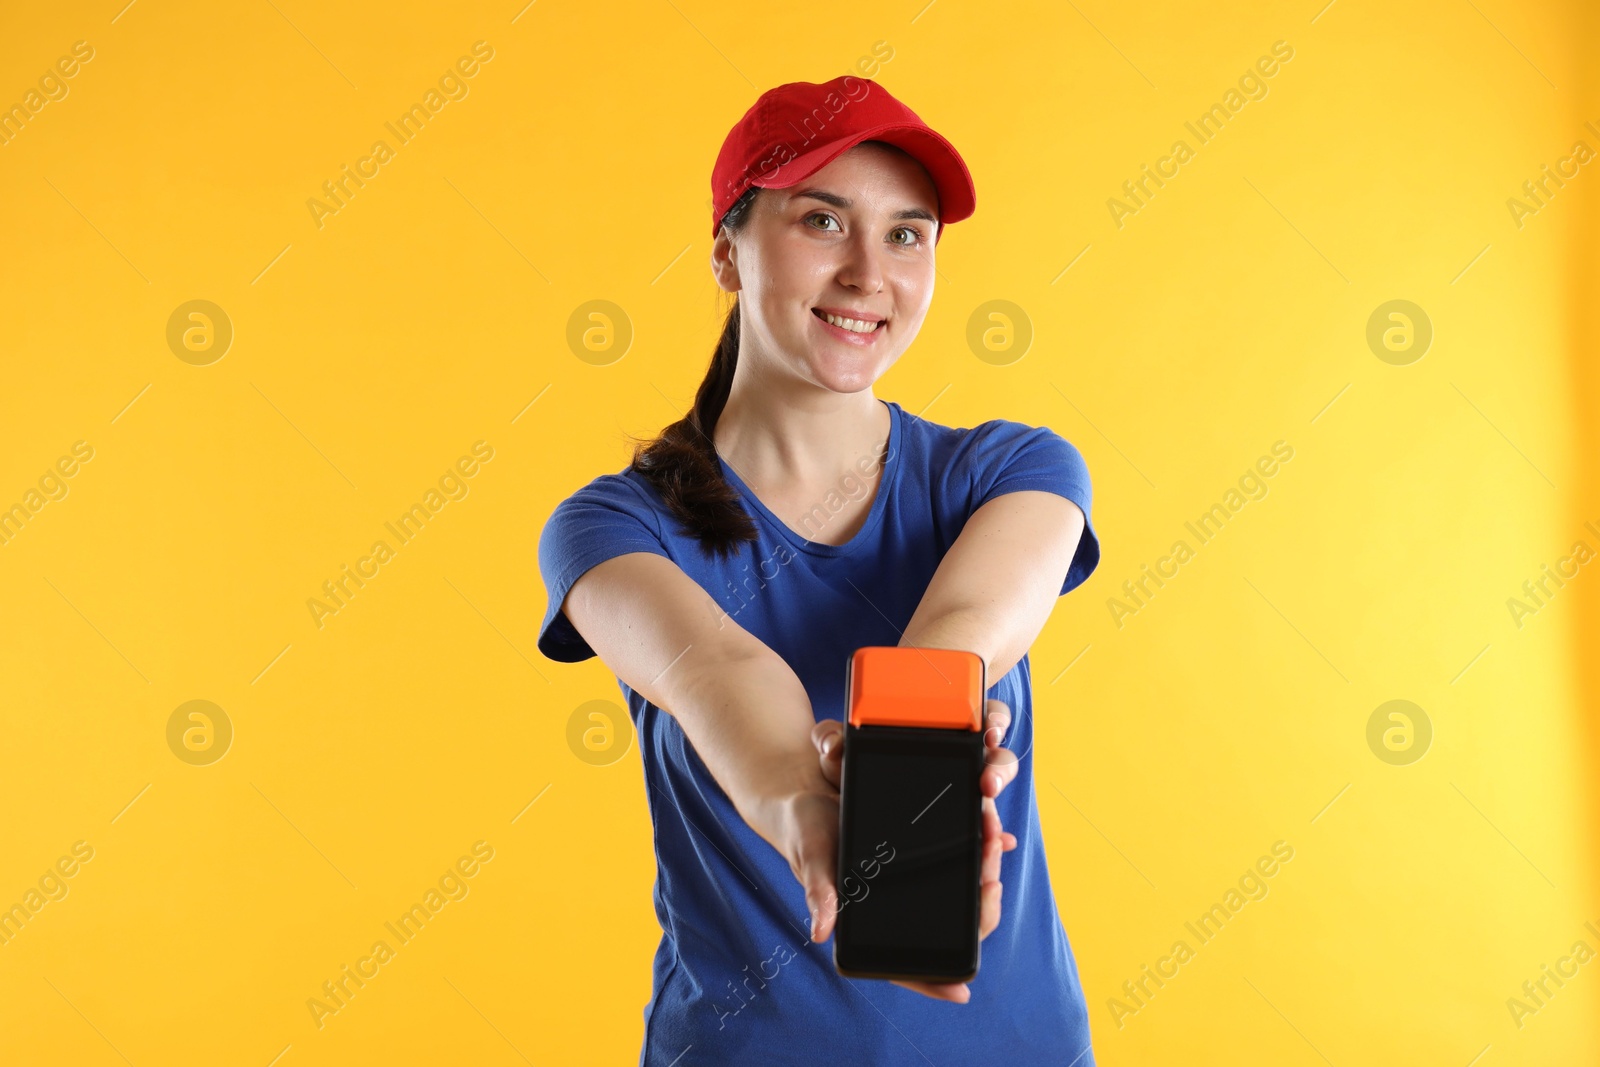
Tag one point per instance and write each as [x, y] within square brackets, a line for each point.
[682, 462]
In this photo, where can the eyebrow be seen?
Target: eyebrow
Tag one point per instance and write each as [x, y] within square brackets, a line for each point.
[845, 202]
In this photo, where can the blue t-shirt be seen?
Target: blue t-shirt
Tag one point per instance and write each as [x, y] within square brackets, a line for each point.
[736, 979]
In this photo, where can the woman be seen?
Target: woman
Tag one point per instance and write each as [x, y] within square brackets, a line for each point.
[726, 575]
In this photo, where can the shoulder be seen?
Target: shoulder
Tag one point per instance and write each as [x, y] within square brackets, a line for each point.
[997, 456]
[607, 505]
[625, 488]
[992, 446]
[1009, 435]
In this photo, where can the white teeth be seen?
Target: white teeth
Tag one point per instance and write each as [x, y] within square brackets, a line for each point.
[853, 325]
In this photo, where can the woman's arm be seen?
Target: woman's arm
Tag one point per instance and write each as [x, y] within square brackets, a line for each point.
[741, 706]
[750, 720]
[994, 589]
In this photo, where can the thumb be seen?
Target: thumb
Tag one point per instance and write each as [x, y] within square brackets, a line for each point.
[814, 864]
[822, 899]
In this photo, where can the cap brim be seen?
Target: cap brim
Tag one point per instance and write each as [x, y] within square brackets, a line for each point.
[957, 197]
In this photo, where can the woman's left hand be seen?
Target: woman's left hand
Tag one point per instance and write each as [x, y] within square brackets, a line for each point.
[1000, 766]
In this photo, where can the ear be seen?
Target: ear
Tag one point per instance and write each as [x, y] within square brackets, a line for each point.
[724, 263]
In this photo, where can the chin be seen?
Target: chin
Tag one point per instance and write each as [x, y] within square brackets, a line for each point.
[840, 377]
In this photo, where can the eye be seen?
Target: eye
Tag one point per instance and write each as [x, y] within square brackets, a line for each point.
[916, 236]
[823, 215]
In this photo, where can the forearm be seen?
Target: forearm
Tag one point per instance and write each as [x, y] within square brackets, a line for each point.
[750, 721]
[1000, 646]
[994, 590]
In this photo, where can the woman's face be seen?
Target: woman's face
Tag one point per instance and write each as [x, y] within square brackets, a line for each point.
[856, 239]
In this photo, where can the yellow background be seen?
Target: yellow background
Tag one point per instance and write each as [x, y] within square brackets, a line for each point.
[370, 353]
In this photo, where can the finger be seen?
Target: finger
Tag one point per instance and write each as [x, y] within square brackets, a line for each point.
[955, 992]
[993, 832]
[997, 827]
[823, 903]
[817, 874]
[998, 722]
[1000, 767]
[992, 846]
[1000, 763]
[989, 914]
[826, 730]
[814, 859]
[828, 737]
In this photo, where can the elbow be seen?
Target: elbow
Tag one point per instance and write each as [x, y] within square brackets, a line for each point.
[704, 672]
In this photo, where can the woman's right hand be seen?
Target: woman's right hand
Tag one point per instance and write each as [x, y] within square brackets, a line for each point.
[810, 835]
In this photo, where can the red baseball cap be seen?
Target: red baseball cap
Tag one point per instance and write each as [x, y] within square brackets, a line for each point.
[795, 130]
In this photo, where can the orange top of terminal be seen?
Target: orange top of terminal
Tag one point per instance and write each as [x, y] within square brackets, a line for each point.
[901, 686]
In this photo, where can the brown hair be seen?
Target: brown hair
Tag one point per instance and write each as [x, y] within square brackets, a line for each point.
[682, 461]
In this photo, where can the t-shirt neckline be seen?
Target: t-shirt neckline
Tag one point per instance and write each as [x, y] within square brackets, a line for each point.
[891, 467]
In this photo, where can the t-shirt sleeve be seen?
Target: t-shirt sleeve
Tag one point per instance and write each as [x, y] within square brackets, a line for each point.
[1007, 457]
[608, 517]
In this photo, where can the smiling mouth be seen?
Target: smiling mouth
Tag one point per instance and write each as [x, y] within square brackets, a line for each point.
[853, 325]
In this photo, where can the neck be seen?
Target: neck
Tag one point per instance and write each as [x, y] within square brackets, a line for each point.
[798, 434]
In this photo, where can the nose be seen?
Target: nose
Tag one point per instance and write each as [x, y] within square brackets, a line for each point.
[860, 268]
